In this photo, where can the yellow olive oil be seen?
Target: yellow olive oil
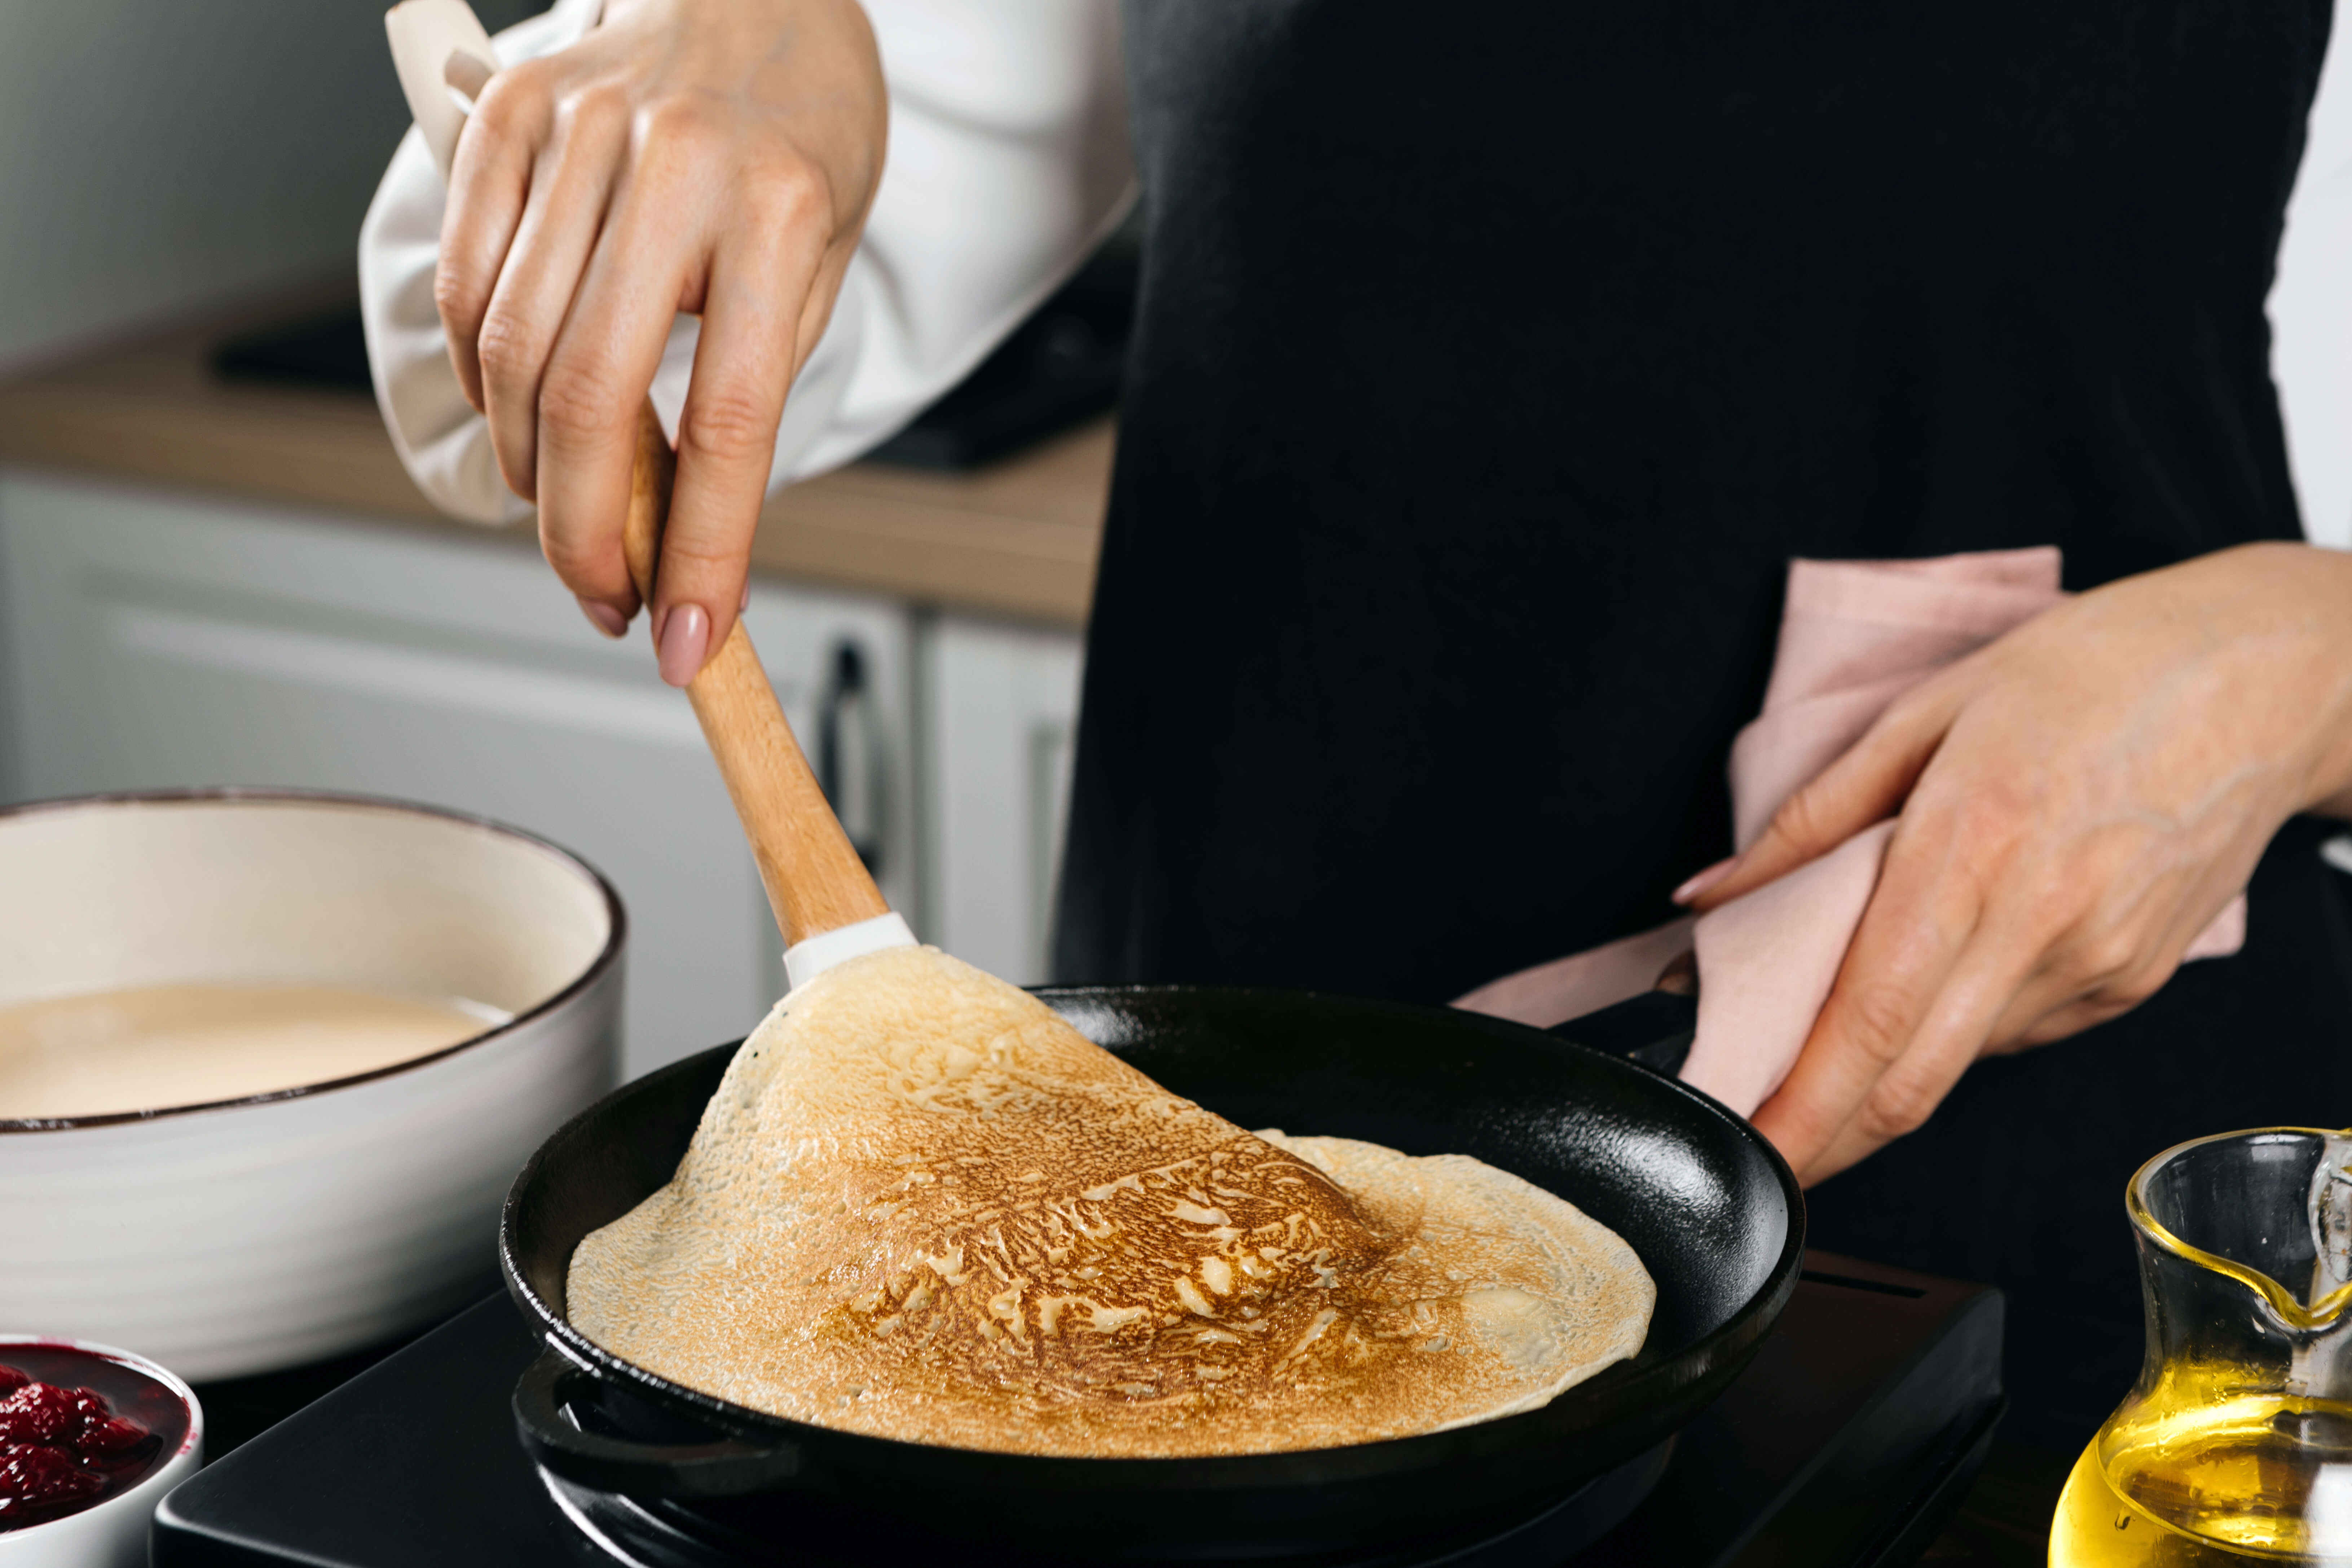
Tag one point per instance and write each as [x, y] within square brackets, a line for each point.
[2260, 1478]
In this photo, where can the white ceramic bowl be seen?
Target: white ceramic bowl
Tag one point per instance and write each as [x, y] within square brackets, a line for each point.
[113, 1534]
[257, 1234]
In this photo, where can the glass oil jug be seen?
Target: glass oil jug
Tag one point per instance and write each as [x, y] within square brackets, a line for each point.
[2235, 1446]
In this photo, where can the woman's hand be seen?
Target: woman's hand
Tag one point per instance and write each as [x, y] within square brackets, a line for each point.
[2078, 800]
[711, 156]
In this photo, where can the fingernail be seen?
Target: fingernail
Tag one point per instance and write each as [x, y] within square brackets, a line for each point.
[606, 618]
[684, 637]
[1704, 880]
[744, 603]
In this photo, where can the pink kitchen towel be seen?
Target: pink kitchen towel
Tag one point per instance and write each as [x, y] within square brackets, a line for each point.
[1854, 635]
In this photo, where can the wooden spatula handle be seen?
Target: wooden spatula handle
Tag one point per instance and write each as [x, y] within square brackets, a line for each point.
[815, 879]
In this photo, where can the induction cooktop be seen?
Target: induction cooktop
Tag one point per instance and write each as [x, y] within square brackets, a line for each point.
[1848, 1441]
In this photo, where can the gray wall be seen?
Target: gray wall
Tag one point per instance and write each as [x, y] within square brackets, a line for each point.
[159, 155]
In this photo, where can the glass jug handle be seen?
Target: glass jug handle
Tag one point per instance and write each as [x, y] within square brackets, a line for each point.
[2330, 1208]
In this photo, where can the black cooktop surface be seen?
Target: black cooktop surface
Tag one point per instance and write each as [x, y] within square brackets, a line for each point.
[1847, 1442]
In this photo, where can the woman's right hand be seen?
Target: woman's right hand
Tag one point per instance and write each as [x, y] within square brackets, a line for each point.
[711, 156]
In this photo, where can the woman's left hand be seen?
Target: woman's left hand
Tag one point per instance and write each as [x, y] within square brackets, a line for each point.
[2078, 800]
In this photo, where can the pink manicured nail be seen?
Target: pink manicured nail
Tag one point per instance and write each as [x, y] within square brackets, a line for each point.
[1697, 885]
[606, 618]
[744, 603]
[685, 636]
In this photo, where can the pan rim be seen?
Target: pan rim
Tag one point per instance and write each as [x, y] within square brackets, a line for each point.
[1730, 1342]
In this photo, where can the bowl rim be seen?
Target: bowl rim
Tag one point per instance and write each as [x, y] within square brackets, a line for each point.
[191, 1447]
[615, 932]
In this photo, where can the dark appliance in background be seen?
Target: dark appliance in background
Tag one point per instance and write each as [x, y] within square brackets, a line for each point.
[313, 353]
[1058, 369]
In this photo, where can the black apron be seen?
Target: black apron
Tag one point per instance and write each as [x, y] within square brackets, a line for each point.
[1493, 361]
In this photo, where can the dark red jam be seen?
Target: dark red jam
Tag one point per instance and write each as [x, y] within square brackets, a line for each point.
[77, 1428]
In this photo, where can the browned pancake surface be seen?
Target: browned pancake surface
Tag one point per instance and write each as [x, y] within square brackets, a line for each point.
[921, 1206]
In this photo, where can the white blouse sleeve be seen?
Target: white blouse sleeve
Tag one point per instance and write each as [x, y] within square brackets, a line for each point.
[2310, 307]
[1008, 162]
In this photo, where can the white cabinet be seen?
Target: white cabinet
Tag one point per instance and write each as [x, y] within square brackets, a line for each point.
[157, 640]
[999, 715]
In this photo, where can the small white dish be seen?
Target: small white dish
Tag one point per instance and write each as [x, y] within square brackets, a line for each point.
[111, 1532]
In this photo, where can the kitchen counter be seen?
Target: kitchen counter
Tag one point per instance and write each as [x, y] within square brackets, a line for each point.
[1017, 539]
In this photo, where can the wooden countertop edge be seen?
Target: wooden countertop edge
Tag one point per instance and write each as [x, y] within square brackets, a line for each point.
[1017, 540]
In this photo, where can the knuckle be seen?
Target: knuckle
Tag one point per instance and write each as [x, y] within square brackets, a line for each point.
[510, 349]
[678, 126]
[1911, 706]
[1878, 1018]
[784, 188]
[2105, 956]
[2130, 990]
[514, 111]
[576, 560]
[516, 99]
[579, 404]
[1895, 1108]
[1800, 820]
[702, 555]
[457, 294]
[1986, 821]
[594, 103]
[2055, 895]
[728, 426]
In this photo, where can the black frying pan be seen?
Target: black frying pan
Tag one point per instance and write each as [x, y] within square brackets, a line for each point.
[1712, 1212]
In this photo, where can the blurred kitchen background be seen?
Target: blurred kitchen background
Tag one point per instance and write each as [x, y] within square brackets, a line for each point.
[212, 570]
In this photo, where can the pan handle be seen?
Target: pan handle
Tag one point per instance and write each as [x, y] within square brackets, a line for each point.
[726, 1468]
[1655, 1029]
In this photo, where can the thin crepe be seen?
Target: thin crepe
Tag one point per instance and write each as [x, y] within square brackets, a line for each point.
[921, 1205]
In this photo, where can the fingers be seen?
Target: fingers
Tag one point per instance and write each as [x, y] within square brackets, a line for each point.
[2082, 980]
[1902, 1092]
[766, 300]
[537, 288]
[1927, 988]
[2082, 795]
[1905, 1017]
[2092, 975]
[606, 618]
[722, 169]
[743, 365]
[584, 413]
[1865, 786]
[488, 183]
[585, 279]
